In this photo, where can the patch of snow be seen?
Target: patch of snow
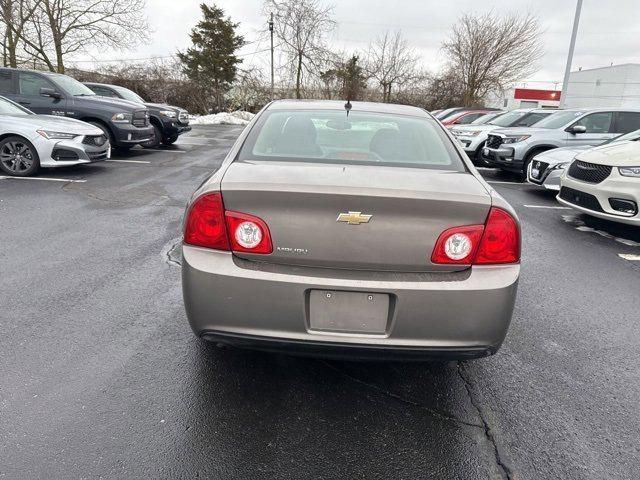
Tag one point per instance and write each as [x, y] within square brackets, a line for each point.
[223, 118]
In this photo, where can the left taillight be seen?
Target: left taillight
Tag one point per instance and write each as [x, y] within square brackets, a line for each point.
[205, 225]
[209, 225]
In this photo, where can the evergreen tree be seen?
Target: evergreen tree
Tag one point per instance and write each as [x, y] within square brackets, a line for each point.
[211, 62]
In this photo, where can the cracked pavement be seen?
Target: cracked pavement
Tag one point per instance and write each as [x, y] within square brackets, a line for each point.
[102, 377]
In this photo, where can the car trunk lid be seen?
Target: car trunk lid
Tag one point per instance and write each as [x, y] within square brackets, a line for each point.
[301, 202]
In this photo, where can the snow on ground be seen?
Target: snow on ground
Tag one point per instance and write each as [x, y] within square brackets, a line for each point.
[223, 118]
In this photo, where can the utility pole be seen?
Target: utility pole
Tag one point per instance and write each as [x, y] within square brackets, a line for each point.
[572, 45]
[271, 31]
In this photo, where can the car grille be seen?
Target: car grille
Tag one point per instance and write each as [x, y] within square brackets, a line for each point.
[541, 167]
[95, 140]
[588, 172]
[183, 117]
[581, 199]
[494, 141]
[140, 119]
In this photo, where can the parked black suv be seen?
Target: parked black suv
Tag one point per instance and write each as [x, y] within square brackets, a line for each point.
[168, 121]
[125, 123]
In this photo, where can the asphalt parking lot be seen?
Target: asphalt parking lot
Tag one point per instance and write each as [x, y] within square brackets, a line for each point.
[102, 378]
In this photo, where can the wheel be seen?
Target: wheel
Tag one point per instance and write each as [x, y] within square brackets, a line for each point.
[156, 140]
[18, 157]
[170, 140]
[106, 131]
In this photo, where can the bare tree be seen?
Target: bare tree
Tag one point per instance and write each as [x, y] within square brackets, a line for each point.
[59, 28]
[390, 61]
[15, 14]
[301, 27]
[490, 52]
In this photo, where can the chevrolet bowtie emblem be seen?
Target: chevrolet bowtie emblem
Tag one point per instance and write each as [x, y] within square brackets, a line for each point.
[353, 218]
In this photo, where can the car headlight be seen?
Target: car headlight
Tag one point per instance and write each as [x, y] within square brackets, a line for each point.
[122, 118]
[629, 171]
[560, 166]
[56, 135]
[520, 138]
[168, 113]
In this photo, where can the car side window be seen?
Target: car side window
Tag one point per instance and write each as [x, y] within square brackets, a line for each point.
[104, 92]
[30, 83]
[597, 122]
[470, 118]
[532, 118]
[627, 122]
[6, 82]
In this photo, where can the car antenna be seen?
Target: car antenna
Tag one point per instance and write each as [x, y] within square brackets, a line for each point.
[347, 106]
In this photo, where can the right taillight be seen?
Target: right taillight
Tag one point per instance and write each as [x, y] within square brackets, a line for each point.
[495, 242]
[209, 225]
[500, 241]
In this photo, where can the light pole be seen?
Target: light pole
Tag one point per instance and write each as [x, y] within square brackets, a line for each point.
[572, 45]
[271, 31]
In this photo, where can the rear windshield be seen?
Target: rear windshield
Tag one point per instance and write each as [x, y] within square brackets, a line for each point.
[361, 138]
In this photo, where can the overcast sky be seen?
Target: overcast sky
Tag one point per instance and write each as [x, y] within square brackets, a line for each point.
[609, 29]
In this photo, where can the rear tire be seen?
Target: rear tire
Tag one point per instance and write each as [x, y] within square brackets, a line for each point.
[18, 157]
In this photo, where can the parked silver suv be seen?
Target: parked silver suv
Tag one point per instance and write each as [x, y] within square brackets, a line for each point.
[513, 149]
[472, 137]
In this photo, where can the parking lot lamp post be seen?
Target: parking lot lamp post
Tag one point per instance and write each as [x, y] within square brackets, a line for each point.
[567, 70]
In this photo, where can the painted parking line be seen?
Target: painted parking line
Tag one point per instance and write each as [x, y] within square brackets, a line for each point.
[129, 161]
[629, 256]
[552, 207]
[486, 168]
[46, 179]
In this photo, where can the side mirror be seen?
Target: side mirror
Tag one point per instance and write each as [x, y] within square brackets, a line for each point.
[577, 129]
[50, 92]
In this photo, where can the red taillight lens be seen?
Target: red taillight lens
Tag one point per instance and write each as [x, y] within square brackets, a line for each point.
[501, 240]
[205, 225]
[495, 242]
[248, 233]
[209, 225]
[458, 245]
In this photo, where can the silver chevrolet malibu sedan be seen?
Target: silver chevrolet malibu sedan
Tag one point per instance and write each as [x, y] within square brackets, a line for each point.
[357, 230]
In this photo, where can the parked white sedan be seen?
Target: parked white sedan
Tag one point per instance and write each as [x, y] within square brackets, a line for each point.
[547, 167]
[29, 141]
[605, 182]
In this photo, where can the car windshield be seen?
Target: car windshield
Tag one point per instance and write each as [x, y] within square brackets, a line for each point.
[486, 117]
[71, 85]
[128, 94]
[7, 107]
[559, 119]
[361, 138]
[445, 113]
[507, 119]
[631, 136]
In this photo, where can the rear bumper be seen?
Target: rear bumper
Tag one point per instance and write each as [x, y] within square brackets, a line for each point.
[463, 314]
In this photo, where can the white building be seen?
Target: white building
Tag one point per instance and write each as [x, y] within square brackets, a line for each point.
[615, 86]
